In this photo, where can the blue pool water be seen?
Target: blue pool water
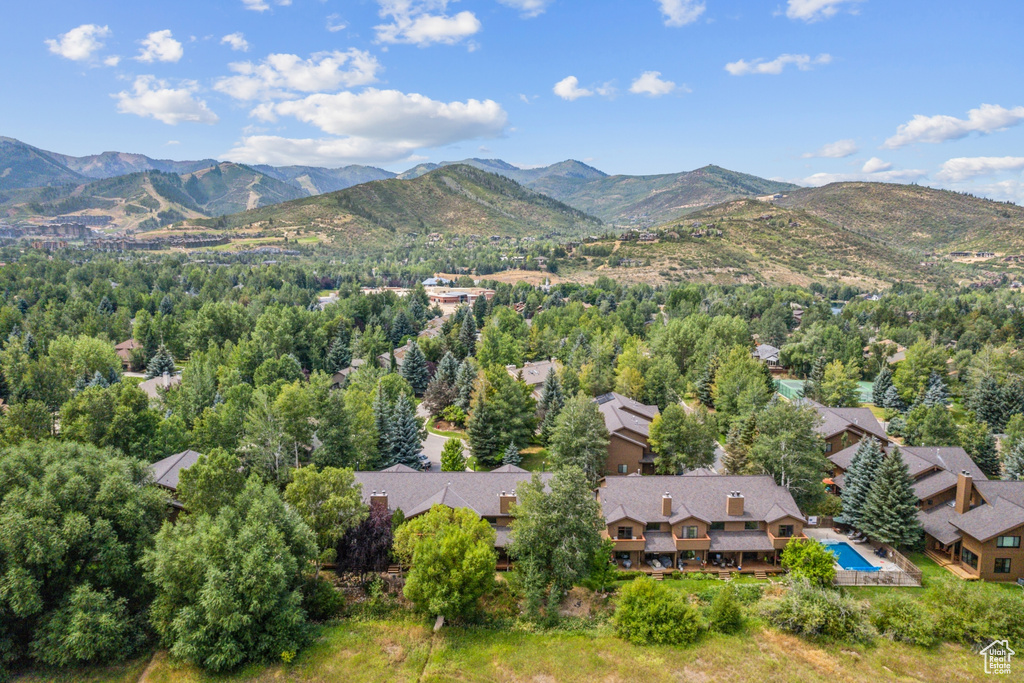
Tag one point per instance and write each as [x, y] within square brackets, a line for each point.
[848, 558]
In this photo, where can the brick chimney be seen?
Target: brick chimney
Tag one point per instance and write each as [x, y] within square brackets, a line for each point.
[734, 504]
[379, 499]
[505, 502]
[964, 491]
[666, 504]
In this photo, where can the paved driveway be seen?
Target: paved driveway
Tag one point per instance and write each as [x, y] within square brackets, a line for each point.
[432, 446]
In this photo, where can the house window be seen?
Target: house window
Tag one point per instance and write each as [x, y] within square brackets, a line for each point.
[689, 532]
[654, 526]
[1002, 565]
[1008, 542]
[751, 526]
[622, 469]
[718, 526]
[828, 447]
[969, 558]
[688, 555]
[625, 533]
[785, 530]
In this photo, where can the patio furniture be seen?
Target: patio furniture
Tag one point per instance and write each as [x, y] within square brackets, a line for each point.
[627, 563]
[655, 564]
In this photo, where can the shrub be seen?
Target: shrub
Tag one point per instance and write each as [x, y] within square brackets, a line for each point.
[901, 618]
[649, 612]
[809, 610]
[809, 560]
[726, 615]
[320, 599]
[455, 415]
[968, 615]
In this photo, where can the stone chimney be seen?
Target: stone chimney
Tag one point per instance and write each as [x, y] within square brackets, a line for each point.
[505, 502]
[379, 499]
[964, 489]
[666, 504]
[734, 504]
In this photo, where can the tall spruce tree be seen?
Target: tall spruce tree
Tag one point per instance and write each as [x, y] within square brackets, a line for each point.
[161, 363]
[987, 402]
[405, 435]
[447, 369]
[936, 393]
[892, 400]
[812, 387]
[551, 401]
[467, 335]
[414, 369]
[890, 511]
[339, 355]
[1013, 468]
[706, 383]
[464, 379]
[480, 310]
[383, 419]
[859, 480]
[511, 456]
[881, 385]
[979, 442]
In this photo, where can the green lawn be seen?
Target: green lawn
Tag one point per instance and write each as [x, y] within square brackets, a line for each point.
[439, 432]
[931, 573]
[392, 650]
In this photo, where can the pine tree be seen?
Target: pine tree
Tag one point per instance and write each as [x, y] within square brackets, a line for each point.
[769, 381]
[1013, 467]
[405, 443]
[881, 385]
[511, 456]
[480, 310]
[452, 458]
[98, 380]
[551, 401]
[161, 363]
[977, 439]
[890, 510]
[414, 369]
[106, 306]
[392, 361]
[892, 400]
[464, 380]
[467, 335]
[936, 393]
[339, 356]
[859, 480]
[987, 402]
[166, 305]
[401, 327]
[706, 383]
[383, 421]
[447, 369]
[812, 387]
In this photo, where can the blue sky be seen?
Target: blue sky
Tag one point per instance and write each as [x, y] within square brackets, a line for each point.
[803, 90]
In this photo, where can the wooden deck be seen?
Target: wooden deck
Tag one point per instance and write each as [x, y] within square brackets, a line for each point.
[947, 563]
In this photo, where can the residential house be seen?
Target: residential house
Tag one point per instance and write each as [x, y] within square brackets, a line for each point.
[339, 378]
[124, 352]
[152, 387]
[628, 423]
[490, 495]
[534, 373]
[167, 472]
[769, 355]
[694, 522]
[843, 427]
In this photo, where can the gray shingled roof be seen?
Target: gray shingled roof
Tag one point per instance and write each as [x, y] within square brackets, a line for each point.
[920, 459]
[935, 523]
[1002, 509]
[740, 541]
[621, 413]
[766, 352]
[414, 492]
[701, 497]
[534, 373]
[166, 471]
[836, 420]
[659, 542]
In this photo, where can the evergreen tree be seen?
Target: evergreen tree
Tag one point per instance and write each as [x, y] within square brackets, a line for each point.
[405, 431]
[812, 387]
[467, 335]
[106, 306]
[98, 380]
[936, 393]
[414, 369]
[890, 510]
[580, 438]
[392, 362]
[401, 327]
[383, 420]
[166, 305]
[706, 383]
[452, 458]
[977, 439]
[160, 363]
[339, 355]
[1014, 465]
[480, 310]
[859, 480]
[881, 386]
[892, 400]
[987, 402]
[447, 369]
[551, 401]
[464, 379]
[511, 456]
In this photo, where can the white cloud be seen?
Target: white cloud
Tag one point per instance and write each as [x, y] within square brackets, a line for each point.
[154, 98]
[815, 10]
[875, 165]
[237, 42]
[112, 60]
[263, 5]
[335, 23]
[963, 168]
[79, 43]
[681, 12]
[651, 83]
[891, 176]
[423, 22]
[528, 8]
[834, 150]
[330, 152]
[776, 66]
[569, 89]
[279, 75]
[394, 117]
[160, 46]
[171, 143]
[988, 118]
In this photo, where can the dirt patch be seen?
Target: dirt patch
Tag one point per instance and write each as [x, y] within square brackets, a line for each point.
[580, 602]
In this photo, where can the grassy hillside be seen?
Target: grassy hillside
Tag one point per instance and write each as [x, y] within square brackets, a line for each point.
[660, 198]
[913, 217]
[24, 166]
[457, 199]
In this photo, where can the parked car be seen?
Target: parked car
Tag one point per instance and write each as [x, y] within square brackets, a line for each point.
[425, 463]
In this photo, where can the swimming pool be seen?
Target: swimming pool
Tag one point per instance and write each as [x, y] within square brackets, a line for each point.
[848, 558]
